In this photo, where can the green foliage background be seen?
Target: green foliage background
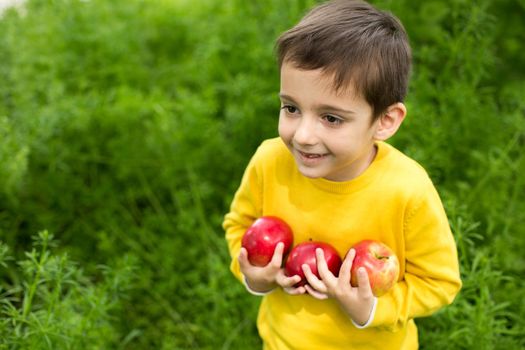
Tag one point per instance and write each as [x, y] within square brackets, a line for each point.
[125, 127]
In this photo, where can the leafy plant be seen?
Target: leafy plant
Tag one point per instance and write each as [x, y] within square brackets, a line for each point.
[55, 305]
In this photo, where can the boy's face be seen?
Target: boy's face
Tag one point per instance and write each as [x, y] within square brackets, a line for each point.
[330, 134]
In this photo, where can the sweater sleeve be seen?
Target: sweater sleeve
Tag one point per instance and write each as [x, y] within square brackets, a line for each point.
[245, 208]
[431, 279]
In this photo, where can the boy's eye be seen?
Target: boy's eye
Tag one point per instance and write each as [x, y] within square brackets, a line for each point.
[289, 109]
[333, 119]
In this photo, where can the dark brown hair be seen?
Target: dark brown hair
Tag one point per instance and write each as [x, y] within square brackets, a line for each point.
[356, 44]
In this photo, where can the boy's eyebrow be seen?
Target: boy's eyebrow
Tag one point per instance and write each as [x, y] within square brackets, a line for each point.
[335, 109]
[320, 107]
[285, 97]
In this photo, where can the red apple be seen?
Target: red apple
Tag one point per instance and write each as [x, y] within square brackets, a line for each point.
[304, 253]
[380, 262]
[262, 237]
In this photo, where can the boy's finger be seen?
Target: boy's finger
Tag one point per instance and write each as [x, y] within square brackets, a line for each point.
[243, 257]
[363, 282]
[346, 267]
[313, 280]
[295, 291]
[316, 294]
[285, 281]
[322, 267]
[277, 258]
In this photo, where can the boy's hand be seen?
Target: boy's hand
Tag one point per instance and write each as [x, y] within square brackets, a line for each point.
[263, 279]
[357, 302]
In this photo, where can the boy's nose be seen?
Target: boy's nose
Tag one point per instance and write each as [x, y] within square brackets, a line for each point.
[305, 134]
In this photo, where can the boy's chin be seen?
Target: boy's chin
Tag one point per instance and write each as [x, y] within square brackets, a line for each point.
[311, 173]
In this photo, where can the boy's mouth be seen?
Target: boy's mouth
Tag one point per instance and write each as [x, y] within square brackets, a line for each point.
[310, 157]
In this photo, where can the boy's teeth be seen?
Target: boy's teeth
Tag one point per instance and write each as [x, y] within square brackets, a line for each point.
[311, 155]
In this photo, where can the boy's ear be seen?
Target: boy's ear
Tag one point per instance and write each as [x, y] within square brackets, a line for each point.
[390, 121]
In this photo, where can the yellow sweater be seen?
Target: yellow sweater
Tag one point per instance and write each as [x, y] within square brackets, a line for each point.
[393, 201]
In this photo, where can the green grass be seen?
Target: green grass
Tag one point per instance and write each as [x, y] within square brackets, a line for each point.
[125, 127]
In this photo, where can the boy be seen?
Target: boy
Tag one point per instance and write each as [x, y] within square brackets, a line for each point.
[332, 178]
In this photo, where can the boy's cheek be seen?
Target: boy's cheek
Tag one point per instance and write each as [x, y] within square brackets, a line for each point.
[284, 130]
